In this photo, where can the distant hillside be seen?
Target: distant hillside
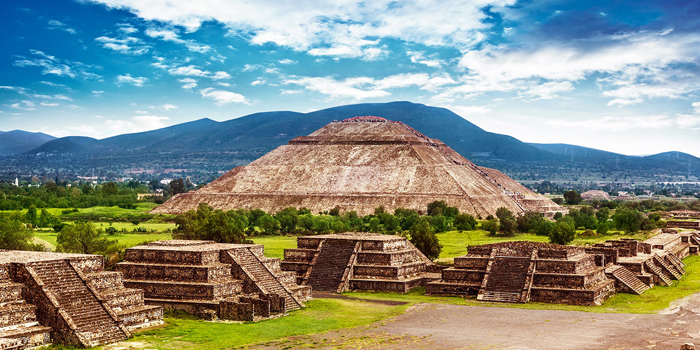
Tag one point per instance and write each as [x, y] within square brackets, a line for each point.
[206, 147]
[18, 141]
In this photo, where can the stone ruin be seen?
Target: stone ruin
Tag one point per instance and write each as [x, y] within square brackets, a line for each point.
[358, 261]
[359, 164]
[68, 299]
[212, 280]
[519, 272]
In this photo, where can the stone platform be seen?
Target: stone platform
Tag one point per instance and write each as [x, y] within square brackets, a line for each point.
[358, 261]
[212, 280]
[67, 299]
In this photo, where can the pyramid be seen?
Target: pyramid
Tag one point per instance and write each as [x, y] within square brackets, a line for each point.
[359, 164]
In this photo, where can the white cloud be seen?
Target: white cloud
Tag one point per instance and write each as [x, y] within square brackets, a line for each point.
[53, 65]
[290, 92]
[138, 123]
[259, 81]
[419, 57]
[169, 106]
[696, 106]
[173, 36]
[288, 61]
[223, 84]
[128, 79]
[97, 92]
[189, 83]
[127, 45]
[547, 91]
[24, 105]
[54, 24]
[466, 111]
[195, 71]
[49, 104]
[126, 28]
[223, 97]
[340, 29]
[360, 88]
[618, 124]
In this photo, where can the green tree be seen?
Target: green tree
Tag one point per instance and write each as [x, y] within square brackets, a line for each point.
[84, 238]
[48, 220]
[15, 235]
[31, 216]
[177, 186]
[563, 232]
[208, 224]
[464, 222]
[629, 220]
[572, 197]
[436, 208]
[288, 219]
[110, 189]
[424, 239]
[268, 224]
[529, 221]
[490, 225]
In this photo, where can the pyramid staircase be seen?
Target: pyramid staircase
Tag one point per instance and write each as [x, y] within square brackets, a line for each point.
[330, 271]
[628, 279]
[263, 277]
[658, 272]
[508, 278]
[666, 267]
[91, 322]
[19, 327]
[676, 262]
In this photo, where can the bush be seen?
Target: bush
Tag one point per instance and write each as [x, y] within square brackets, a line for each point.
[490, 225]
[464, 222]
[572, 197]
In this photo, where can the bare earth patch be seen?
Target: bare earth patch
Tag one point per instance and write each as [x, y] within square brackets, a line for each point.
[437, 327]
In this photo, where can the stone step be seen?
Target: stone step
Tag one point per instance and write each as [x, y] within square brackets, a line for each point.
[627, 278]
[657, 271]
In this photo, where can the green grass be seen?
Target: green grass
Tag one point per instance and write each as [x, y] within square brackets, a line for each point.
[320, 315]
[127, 240]
[141, 207]
[275, 245]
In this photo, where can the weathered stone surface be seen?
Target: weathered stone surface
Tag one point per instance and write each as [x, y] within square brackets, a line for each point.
[359, 165]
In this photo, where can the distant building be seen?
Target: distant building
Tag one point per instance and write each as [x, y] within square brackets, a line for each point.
[595, 194]
[17, 182]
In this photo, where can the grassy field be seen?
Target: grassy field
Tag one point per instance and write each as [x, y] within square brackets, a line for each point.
[320, 315]
[127, 240]
[141, 207]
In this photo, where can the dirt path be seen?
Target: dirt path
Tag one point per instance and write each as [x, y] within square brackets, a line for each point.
[437, 327]
[46, 244]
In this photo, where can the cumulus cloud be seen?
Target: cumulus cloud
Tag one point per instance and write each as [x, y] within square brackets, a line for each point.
[192, 71]
[128, 79]
[126, 45]
[223, 97]
[339, 29]
[288, 61]
[419, 57]
[24, 105]
[169, 106]
[126, 28]
[56, 66]
[547, 91]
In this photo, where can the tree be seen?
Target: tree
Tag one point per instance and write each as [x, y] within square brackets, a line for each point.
[464, 222]
[288, 219]
[424, 239]
[177, 186]
[563, 232]
[628, 220]
[572, 197]
[436, 208]
[15, 235]
[48, 220]
[207, 224]
[490, 225]
[110, 189]
[31, 216]
[84, 238]
[529, 221]
[268, 224]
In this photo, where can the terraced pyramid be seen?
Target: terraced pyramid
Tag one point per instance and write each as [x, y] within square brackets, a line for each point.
[357, 164]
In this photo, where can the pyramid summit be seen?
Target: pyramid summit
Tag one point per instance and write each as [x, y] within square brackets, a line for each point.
[359, 164]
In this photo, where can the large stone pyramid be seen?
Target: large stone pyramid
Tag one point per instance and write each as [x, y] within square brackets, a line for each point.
[359, 164]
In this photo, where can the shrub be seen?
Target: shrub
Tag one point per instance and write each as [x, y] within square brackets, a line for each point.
[424, 239]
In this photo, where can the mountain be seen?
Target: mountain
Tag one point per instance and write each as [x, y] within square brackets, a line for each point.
[18, 141]
[205, 147]
[79, 145]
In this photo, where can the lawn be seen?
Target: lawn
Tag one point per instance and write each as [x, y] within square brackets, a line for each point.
[275, 245]
[320, 315]
[127, 239]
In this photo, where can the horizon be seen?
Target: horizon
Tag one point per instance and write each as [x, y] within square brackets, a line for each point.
[618, 78]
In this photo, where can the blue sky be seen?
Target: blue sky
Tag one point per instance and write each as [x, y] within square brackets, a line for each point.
[617, 76]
